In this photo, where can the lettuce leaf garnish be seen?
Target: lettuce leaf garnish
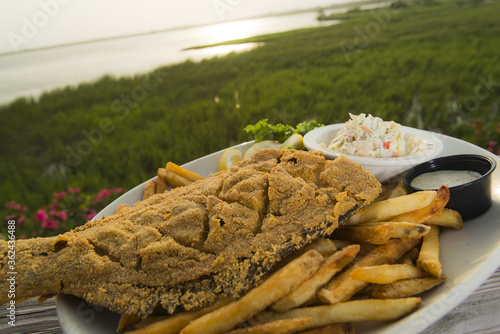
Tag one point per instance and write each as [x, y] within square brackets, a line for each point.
[263, 130]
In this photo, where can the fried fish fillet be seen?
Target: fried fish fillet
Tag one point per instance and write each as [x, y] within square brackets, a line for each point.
[188, 247]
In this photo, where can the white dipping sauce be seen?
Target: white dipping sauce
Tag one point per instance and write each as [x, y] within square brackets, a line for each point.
[449, 178]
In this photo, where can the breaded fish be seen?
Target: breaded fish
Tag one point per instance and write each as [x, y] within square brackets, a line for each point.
[190, 246]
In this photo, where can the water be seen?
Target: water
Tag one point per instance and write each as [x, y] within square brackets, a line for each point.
[31, 73]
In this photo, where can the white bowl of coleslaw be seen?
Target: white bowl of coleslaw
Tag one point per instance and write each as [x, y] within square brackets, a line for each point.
[383, 168]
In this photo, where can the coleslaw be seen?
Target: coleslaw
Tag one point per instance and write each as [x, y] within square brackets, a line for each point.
[368, 136]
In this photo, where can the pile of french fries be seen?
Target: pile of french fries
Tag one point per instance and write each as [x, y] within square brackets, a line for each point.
[171, 176]
[373, 268]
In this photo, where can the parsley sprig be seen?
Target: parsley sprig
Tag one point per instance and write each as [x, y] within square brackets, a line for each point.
[263, 130]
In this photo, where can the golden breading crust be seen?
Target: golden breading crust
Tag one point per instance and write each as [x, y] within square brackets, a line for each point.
[186, 248]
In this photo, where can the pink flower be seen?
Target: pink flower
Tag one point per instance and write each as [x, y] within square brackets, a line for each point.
[104, 193]
[15, 206]
[88, 216]
[21, 219]
[119, 190]
[74, 190]
[59, 195]
[62, 215]
[52, 212]
[42, 216]
[52, 224]
[10, 204]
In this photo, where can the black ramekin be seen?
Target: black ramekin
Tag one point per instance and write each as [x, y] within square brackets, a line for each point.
[470, 199]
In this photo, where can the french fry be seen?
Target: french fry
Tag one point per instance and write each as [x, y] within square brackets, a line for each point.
[153, 319]
[399, 190]
[405, 288]
[405, 261]
[260, 297]
[377, 235]
[183, 172]
[387, 188]
[307, 289]
[403, 229]
[325, 247]
[447, 218]
[351, 311]
[341, 243]
[410, 257]
[423, 214]
[283, 326]
[343, 287]
[365, 250]
[428, 259]
[126, 321]
[173, 179]
[410, 230]
[392, 207]
[346, 328]
[386, 273]
[149, 189]
[174, 324]
[161, 185]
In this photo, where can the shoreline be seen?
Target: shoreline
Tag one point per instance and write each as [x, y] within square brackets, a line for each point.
[33, 91]
[346, 5]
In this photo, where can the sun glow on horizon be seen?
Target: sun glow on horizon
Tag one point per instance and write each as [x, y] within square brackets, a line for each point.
[231, 30]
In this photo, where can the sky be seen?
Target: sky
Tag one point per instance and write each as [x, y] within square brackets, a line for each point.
[31, 24]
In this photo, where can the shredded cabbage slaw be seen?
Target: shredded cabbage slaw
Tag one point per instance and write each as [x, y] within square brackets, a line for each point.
[368, 136]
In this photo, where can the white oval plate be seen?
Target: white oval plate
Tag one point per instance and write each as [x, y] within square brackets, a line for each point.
[468, 258]
[381, 168]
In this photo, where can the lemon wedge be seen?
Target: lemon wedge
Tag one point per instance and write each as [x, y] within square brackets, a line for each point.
[229, 159]
[261, 145]
[295, 141]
